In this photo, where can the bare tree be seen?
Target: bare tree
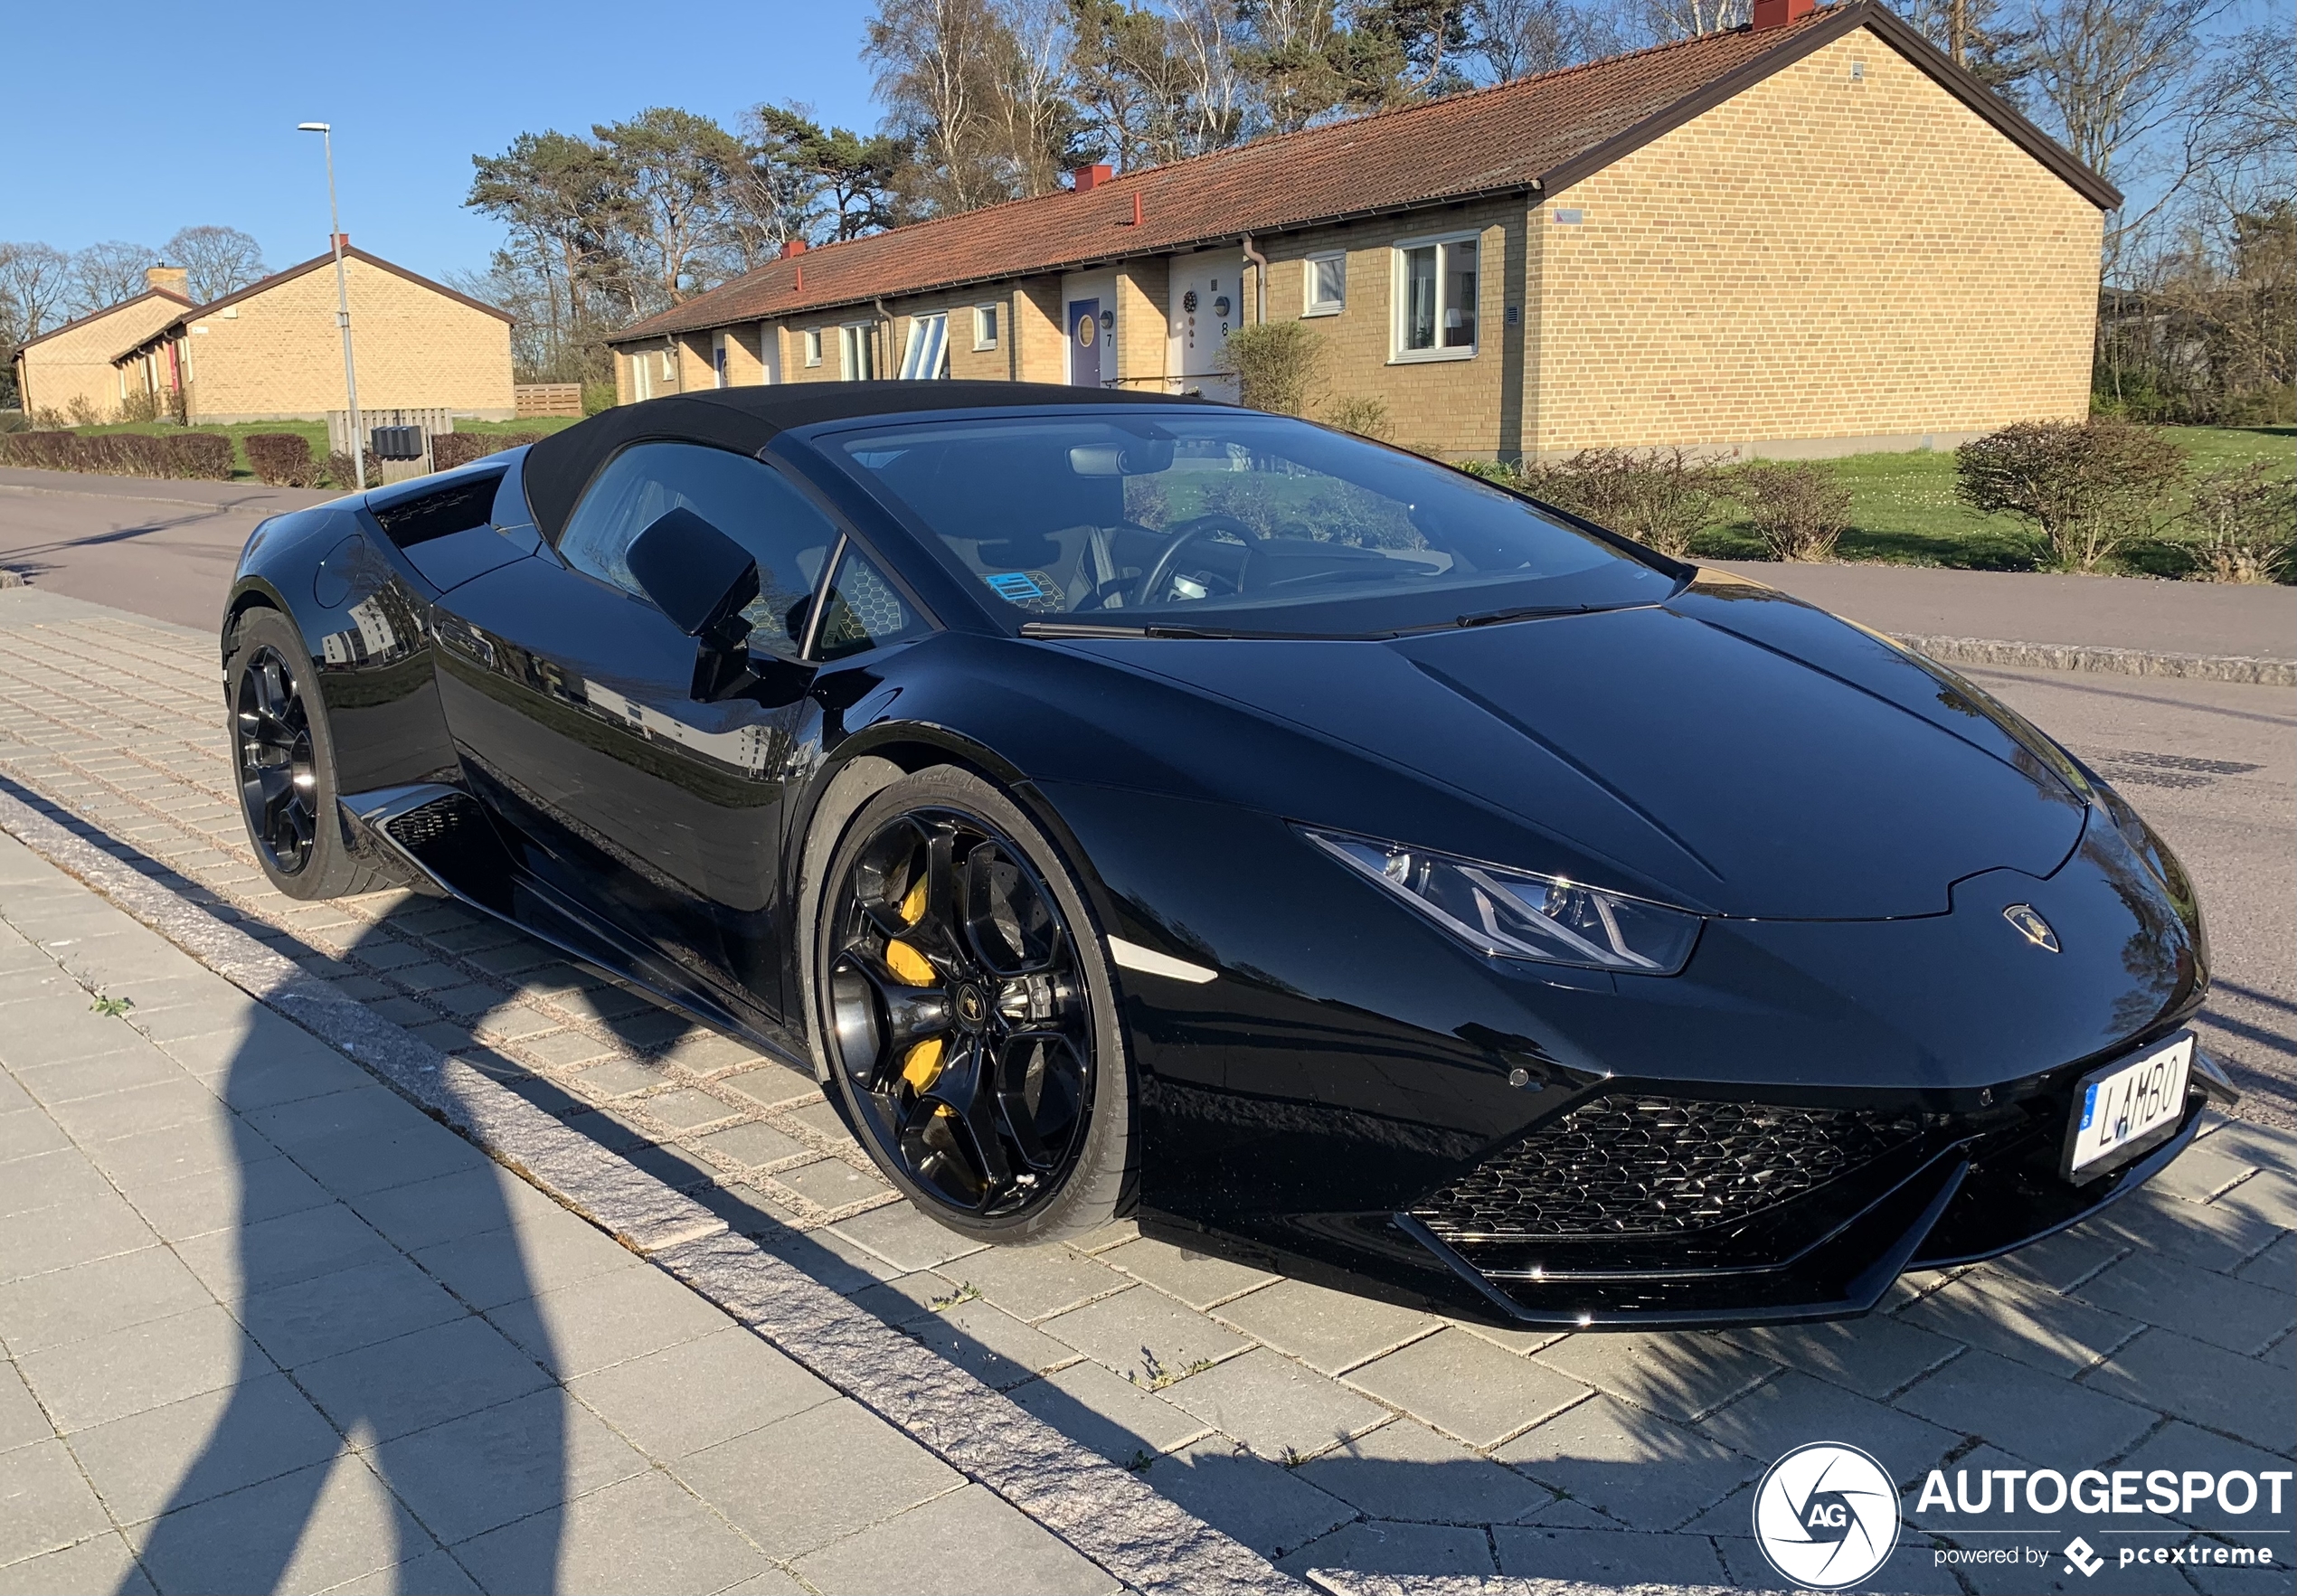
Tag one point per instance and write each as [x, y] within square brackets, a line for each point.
[1690, 19]
[2111, 71]
[35, 283]
[102, 275]
[1524, 38]
[1204, 45]
[937, 63]
[220, 260]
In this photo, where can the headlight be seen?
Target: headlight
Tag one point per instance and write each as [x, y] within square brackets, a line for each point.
[1518, 914]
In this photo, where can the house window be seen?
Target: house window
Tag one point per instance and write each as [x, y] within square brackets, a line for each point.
[641, 377]
[856, 353]
[813, 345]
[1435, 307]
[1327, 284]
[718, 358]
[985, 326]
[926, 353]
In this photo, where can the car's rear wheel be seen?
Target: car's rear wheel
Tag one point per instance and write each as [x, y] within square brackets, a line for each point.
[967, 1013]
[283, 757]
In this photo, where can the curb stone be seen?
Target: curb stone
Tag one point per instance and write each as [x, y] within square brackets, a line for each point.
[2126, 662]
[1345, 1582]
[1110, 1516]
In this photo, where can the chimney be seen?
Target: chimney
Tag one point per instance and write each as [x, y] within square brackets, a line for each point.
[792, 247]
[341, 241]
[1778, 14]
[1085, 179]
[174, 279]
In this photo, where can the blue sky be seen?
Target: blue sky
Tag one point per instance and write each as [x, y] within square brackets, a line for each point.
[202, 128]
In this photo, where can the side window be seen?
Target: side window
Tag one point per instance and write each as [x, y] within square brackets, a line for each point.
[746, 499]
[864, 612]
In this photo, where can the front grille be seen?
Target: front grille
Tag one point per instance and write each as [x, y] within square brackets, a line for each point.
[1624, 1165]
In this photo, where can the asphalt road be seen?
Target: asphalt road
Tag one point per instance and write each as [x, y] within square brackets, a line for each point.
[163, 549]
[2212, 765]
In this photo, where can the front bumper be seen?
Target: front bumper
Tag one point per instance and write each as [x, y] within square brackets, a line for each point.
[1783, 1215]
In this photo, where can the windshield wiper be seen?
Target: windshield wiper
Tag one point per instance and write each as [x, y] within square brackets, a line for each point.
[1086, 629]
[1528, 612]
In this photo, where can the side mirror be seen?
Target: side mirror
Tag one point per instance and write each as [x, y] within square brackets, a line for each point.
[697, 575]
[702, 580]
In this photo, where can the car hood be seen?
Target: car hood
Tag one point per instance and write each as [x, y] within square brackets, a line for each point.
[1758, 759]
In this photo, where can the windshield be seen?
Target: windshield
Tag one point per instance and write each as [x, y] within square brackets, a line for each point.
[1226, 521]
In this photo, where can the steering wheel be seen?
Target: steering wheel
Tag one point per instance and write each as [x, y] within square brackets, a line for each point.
[1189, 531]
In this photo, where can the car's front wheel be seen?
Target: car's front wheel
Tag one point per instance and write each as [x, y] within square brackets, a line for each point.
[283, 757]
[969, 1014]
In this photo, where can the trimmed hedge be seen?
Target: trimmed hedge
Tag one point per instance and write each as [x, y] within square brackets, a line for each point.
[184, 456]
[282, 460]
[449, 449]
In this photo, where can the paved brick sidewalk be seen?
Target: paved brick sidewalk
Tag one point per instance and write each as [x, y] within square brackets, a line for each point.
[268, 1324]
[1322, 1429]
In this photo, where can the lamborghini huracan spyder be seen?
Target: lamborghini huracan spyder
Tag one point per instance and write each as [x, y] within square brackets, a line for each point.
[1132, 805]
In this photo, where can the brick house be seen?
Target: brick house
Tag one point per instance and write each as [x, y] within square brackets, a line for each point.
[272, 351]
[1812, 235]
[69, 369]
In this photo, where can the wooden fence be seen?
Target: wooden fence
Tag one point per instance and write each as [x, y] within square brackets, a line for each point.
[550, 399]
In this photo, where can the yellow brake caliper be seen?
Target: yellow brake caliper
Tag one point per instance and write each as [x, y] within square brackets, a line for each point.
[922, 1065]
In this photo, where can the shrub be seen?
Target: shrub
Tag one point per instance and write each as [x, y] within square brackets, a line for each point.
[282, 460]
[204, 456]
[1279, 364]
[597, 397]
[144, 405]
[2248, 524]
[342, 475]
[1661, 497]
[80, 411]
[2087, 487]
[1798, 510]
[449, 449]
[1365, 416]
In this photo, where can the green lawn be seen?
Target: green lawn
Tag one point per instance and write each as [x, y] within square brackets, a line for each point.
[316, 431]
[1902, 510]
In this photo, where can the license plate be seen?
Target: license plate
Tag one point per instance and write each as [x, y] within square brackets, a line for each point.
[2125, 1108]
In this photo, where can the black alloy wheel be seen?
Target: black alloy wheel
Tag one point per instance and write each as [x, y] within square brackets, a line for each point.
[961, 1016]
[277, 767]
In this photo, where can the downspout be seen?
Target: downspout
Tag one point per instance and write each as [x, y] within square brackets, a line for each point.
[1260, 280]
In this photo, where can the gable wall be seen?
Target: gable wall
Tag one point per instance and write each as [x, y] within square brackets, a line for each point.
[282, 355]
[1818, 264]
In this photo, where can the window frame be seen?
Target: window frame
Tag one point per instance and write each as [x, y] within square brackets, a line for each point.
[1309, 304]
[857, 348]
[841, 536]
[1399, 277]
[986, 329]
[921, 340]
[718, 362]
[813, 347]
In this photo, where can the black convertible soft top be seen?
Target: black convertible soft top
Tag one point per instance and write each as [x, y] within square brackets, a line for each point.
[560, 465]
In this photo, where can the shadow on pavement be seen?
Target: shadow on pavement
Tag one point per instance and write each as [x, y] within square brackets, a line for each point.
[395, 1362]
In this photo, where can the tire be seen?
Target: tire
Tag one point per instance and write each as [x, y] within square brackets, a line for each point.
[967, 1017]
[283, 758]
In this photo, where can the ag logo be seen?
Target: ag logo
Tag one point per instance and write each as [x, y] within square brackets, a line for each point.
[1826, 1515]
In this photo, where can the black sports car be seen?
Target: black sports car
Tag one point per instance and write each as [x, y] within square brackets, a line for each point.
[1133, 805]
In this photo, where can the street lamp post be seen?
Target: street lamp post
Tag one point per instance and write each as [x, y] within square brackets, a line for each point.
[326, 130]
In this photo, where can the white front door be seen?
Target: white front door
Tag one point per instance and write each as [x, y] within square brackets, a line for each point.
[1207, 305]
